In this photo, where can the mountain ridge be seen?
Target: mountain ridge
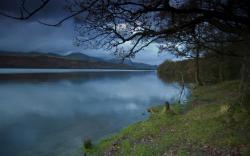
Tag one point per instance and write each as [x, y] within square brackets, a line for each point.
[72, 60]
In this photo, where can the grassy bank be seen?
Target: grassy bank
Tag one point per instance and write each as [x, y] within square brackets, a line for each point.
[205, 126]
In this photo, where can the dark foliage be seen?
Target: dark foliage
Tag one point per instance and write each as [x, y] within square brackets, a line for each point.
[212, 70]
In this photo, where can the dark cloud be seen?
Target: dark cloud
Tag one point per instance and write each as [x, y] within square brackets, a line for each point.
[29, 35]
[53, 10]
[32, 36]
[9, 6]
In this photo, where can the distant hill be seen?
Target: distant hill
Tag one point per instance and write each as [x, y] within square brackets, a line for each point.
[134, 64]
[82, 57]
[73, 60]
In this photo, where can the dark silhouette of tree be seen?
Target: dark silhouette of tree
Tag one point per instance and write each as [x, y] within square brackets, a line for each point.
[113, 24]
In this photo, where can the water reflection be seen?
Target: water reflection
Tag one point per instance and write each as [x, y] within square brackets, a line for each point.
[50, 114]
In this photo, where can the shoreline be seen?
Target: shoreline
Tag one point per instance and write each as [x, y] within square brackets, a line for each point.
[61, 70]
[202, 127]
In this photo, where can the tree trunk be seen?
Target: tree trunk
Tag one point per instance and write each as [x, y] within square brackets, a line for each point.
[245, 82]
[182, 83]
[221, 70]
[197, 73]
[244, 87]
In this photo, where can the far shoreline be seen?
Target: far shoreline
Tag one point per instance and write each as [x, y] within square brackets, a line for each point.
[65, 70]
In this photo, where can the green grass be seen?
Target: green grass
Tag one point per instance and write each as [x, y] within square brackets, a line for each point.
[205, 126]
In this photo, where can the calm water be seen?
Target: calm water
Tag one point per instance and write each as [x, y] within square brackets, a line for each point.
[51, 113]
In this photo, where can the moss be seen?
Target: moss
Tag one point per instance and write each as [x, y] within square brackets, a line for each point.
[205, 126]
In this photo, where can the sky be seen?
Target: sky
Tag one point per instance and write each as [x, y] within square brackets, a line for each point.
[29, 35]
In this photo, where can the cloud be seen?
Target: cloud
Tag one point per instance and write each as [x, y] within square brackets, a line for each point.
[151, 55]
[32, 36]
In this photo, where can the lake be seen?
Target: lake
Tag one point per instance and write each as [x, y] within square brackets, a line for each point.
[51, 112]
